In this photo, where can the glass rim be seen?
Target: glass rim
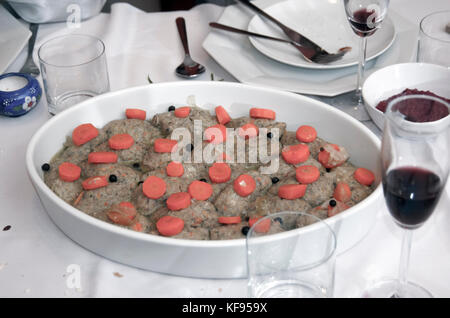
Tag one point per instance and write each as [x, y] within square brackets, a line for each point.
[102, 51]
[282, 235]
[426, 33]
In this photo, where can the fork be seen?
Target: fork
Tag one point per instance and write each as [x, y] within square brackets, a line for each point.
[29, 66]
[313, 51]
[309, 54]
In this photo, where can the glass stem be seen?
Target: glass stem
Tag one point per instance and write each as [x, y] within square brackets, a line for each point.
[361, 66]
[404, 263]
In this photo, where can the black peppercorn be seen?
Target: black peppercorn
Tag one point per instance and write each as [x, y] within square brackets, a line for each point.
[269, 135]
[45, 167]
[245, 230]
[113, 178]
[171, 108]
[332, 202]
[279, 220]
[328, 169]
[322, 149]
[136, 165]
[203, 180]
[275, 180]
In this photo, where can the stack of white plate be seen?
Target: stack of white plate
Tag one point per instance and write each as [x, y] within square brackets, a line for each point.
[279, 65]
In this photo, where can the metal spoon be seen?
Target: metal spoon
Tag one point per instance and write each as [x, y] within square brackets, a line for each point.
[29, 66]
[189, 68]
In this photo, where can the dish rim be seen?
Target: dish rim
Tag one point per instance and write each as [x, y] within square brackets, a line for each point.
[389, 70]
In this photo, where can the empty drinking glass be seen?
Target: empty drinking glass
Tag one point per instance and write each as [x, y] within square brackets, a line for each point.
[434, 40]
[286, 260]
[73, 69]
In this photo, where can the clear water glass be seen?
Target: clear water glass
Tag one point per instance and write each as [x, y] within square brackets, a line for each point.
[287, 260]
[73, 69]
[434, 39]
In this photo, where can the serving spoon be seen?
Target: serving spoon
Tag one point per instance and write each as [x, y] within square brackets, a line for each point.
[188, 68]
[310, 54]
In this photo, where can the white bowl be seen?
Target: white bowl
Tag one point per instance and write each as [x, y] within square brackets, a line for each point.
[209, 259]
[393, 79]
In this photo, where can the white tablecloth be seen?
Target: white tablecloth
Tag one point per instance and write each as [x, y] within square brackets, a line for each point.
[35, 254]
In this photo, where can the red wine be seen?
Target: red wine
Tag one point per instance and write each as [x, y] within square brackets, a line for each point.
[411, 195]
[364, 22]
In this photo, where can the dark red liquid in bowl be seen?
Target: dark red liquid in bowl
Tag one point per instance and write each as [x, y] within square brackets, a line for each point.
[418, 110]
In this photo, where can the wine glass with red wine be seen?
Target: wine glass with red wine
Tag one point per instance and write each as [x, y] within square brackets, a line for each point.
[365, 17]
[415, 163]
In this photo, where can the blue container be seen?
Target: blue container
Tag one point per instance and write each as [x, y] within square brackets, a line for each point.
[21, 101]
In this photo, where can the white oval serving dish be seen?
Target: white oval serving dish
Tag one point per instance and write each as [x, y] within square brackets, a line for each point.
[394, 79]
[206, 259]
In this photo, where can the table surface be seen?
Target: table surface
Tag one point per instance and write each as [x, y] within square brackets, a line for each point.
[36, 257]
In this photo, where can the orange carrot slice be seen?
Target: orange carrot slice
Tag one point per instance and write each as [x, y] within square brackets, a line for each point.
[154, 187]
[200, 190]
[134, 113]
[178, 201]
[95, 182]
[244, 185]
[169, 225]
[342, 192]
[222, 115]
[262, 113]
[118, 218]
[295, 154]
[306, 133]
[120, 141]
[84, 133]
[128, 209]
[216, 134]
[292, 191]
[69, 172]
[364, 176]
[182, 112]
[262, 227]
[174, 169]
[122, 213]
[219, 172]
[323, 158]
[229, 219]
[165, 145]
[307, 174]
[248, 131]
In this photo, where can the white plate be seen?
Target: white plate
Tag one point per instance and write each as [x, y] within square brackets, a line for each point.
[394, 79]
[13, 38]
[236, 54]
[312, 18]
[212, 259]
